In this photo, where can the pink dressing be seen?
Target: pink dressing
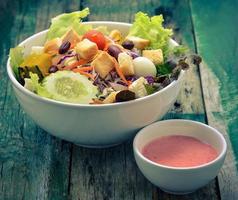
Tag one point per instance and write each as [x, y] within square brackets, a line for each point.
[179, 151]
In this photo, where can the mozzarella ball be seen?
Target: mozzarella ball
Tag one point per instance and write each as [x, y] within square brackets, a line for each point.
[144, 67]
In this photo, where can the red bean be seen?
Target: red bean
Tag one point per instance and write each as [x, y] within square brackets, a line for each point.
[114, 51]
[64, 47]
[133, 54]
[53, 69]
[128, 45]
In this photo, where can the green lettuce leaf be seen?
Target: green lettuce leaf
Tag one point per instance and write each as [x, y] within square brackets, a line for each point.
[102, 29]
[151, 29]
[180, 50]
[35, 86]
[163, 69]
[150, 89]
[16, 58]
[62, 23]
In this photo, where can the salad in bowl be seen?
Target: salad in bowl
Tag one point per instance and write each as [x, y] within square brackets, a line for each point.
[97, 83]
[82, 64]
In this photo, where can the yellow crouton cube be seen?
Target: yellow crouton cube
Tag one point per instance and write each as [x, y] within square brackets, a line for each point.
[126, 64]
[138, 42]
[156, 56]
[52, 46]
[103, 64]
[86, 49]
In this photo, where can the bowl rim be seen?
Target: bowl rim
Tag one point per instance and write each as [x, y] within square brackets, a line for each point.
[144, 130]
[61, 103]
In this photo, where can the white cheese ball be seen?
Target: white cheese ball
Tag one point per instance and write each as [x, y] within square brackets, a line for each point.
[144, 67]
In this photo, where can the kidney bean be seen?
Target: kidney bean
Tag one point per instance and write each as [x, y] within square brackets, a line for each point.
[64, 47]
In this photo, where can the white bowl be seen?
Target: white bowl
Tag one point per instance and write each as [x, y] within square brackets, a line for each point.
[179, 180]
[93, 125]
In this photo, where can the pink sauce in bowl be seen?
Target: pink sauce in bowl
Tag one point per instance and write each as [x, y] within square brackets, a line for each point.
[179, 151]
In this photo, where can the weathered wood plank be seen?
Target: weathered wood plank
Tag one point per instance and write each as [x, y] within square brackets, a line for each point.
[34, 165]
[216, 36]
[112, 173]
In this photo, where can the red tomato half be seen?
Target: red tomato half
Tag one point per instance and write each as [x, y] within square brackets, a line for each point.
[96, 37]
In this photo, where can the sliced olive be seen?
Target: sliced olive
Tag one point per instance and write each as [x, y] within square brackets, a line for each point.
[128, 45]
[125, 95]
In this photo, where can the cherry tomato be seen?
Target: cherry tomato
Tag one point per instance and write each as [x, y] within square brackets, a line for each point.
[96, 37]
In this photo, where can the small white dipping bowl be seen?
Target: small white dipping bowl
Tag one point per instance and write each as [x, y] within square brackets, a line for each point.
[179, 180]
[93, 125]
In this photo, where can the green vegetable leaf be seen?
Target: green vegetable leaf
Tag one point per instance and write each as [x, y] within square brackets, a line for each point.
[16, 58]
[163, 69]
[176, 51]
[150, 89]
[62, 23]
[102, 29]
[151, 29]
[180, 50]
[33, 85]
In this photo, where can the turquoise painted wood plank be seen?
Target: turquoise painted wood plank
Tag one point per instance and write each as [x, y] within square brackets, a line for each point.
[49, 179]
[217, 39]
[33, 165]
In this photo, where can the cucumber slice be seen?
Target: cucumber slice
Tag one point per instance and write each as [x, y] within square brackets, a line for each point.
[70, 87]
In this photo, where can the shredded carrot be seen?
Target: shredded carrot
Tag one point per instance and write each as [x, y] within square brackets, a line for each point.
[119, 72]
[129, 82]
[84, 69]
[96, 101]
[84, 73]
[75, 64]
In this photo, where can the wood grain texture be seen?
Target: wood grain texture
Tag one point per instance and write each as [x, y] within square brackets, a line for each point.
[33, 164]
[217, 43]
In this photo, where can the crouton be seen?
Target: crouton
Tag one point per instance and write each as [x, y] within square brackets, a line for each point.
[52, 46]
[72, 37]
[111, 98]
[86, 49]
[138, 87]
[126, 64]
[156, 56]
[138, 42]
[103, 64]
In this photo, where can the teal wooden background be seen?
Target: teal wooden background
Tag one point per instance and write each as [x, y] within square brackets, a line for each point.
[35, 165]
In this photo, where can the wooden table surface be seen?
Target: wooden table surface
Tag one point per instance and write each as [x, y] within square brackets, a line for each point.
[35, 165]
